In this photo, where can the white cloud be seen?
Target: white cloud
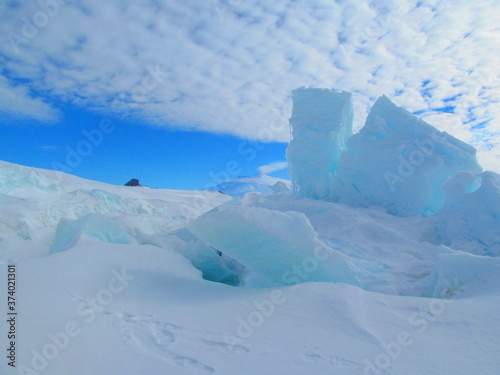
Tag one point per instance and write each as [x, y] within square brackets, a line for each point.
[229, 65]
[273, 167]
[17, 102]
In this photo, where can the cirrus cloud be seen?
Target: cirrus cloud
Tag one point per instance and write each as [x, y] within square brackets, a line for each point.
[273, 167]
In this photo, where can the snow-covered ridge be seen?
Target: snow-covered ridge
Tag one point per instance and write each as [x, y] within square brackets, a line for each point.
[39, 207]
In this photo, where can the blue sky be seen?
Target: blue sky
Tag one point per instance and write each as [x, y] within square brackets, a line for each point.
[157, 156]
[186, 81]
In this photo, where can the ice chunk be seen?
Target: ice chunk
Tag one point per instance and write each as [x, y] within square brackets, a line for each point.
[18, 180]
[400, 162]
[470, 219]
[95, 226]
[281, 248]
[321, 123]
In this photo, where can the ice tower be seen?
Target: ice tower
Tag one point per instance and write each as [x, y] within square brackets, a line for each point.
[321, 123]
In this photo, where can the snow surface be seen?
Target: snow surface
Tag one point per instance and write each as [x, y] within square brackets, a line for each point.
[351, 290]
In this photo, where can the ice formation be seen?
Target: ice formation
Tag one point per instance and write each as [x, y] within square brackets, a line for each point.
[321, 123]
[214, 265]
[46, 212]
[400, 163]
[280, 248]
[98, 227]
[470, 218]
[396, 161]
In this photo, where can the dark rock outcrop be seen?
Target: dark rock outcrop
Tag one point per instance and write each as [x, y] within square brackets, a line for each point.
[133, 182]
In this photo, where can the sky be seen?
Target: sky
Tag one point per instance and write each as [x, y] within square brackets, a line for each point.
[113, 151]
[187, 92]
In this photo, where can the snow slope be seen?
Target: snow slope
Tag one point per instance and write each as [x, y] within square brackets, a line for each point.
[167, 320]
[113, 280]
[47, 211]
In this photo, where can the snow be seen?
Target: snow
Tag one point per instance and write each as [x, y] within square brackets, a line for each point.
[168, 320]
[342, 275]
